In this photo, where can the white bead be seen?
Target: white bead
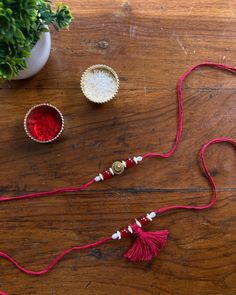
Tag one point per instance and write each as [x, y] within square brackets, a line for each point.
[135, 160]
[111, 171]
[115, 236]
[123, 162]
[119, 235]
[97, 178]
[138, 223]
[153, 215]
[101, 176]
[139, 158]
[130, 229]
[148, 217]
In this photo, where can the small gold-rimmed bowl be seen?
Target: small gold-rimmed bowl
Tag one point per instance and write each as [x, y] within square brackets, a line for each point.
[100, 83]
[43, 123]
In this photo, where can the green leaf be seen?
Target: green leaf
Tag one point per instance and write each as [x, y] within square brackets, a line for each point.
[21, 24]
[6, 71]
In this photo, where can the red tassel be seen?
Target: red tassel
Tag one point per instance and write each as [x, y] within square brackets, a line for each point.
[146, 245]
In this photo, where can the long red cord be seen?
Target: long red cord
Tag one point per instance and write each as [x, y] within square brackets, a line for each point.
[148, 155]
[208, 174]
[48, 193]
[56, 260]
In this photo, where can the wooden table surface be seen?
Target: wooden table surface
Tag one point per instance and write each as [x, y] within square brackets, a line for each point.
[150, 44]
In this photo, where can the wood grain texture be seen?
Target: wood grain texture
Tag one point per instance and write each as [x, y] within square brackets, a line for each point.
[150, 44]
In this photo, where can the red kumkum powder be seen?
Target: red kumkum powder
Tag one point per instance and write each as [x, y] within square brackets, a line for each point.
[44, 123]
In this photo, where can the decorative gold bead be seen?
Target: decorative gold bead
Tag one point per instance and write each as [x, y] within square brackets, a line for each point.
[118, 167]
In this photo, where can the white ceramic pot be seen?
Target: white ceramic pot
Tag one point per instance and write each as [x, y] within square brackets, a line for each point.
[39, 56]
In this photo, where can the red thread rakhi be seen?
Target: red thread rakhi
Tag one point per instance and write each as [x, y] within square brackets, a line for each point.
[146, 245]
[44, 123]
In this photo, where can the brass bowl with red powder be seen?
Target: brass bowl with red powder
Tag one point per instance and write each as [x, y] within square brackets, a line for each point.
[44, 123]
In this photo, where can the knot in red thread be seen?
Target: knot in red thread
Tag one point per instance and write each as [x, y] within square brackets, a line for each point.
[137, 230]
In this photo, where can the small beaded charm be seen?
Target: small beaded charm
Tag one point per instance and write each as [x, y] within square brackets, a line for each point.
[118, 167]
[146, 245]
[140, 222]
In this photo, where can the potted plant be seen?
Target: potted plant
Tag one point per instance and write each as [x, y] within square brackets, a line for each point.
[25, 40]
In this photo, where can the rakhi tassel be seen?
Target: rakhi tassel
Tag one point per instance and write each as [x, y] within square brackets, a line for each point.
[146, 244]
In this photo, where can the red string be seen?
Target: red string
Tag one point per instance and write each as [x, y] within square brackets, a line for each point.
[148, 155]
[55, 260]
[49, 193]
[180, 106]
[208, 174]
